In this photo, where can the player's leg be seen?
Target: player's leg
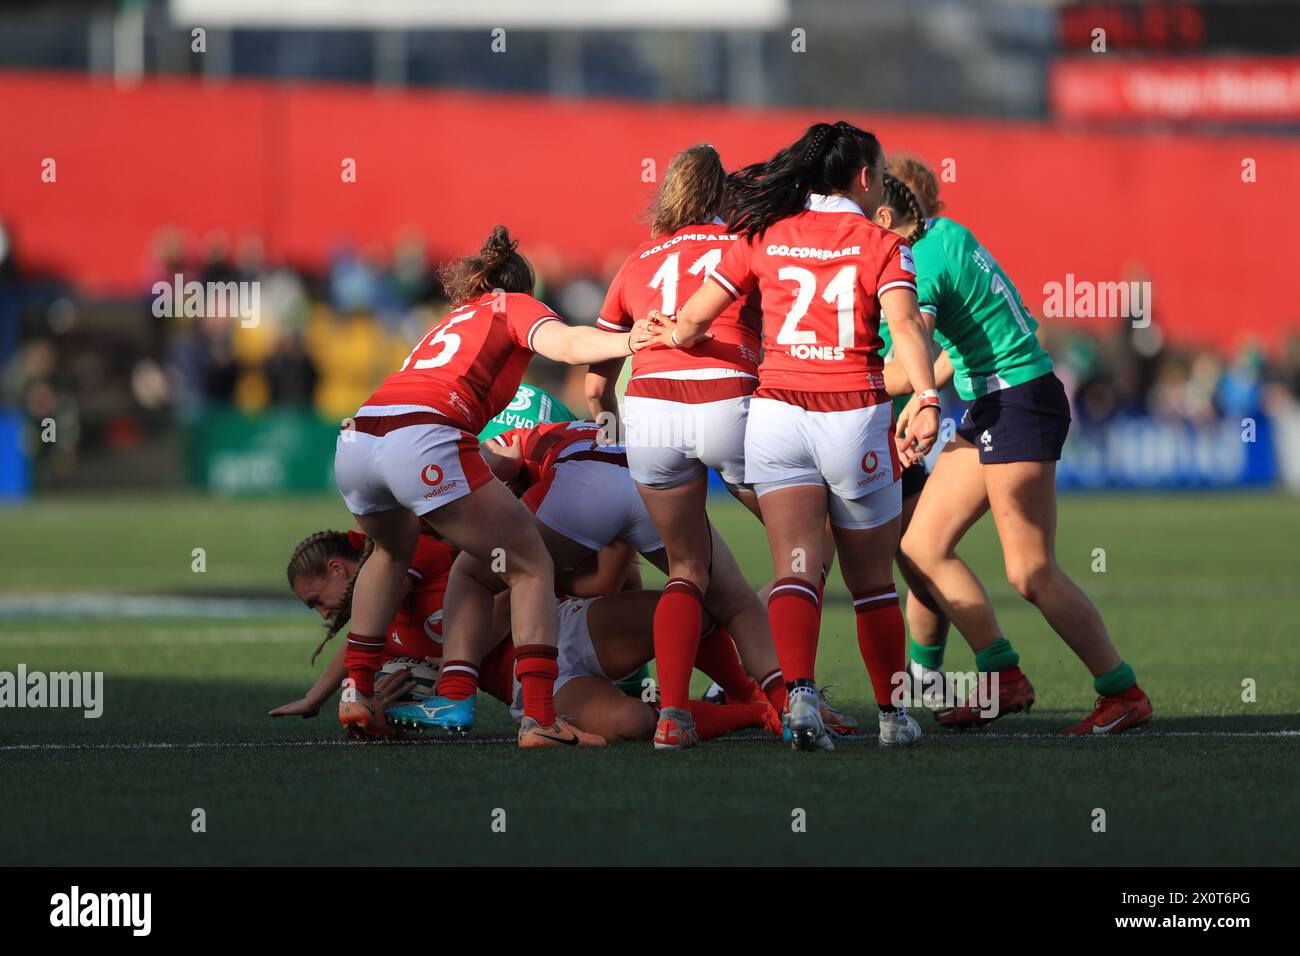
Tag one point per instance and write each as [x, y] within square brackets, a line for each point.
[927, 625]
[599, 707]
[376, 591]
[866, 537]
[795, 519]
[497, 529]
[1022, 498]
[679, 518]
[955, 497]
[745, 495]
[953, 500]
[376, 594]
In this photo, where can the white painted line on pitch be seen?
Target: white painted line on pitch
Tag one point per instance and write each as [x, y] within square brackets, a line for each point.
[254, 744]
[92, 604]
[502, 739]
[1137, 735]
[224, 635]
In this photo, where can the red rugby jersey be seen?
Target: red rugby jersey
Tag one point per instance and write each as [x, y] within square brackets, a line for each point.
[820, 273]
[542, 445]
[469, 365]
[662, 274]
[416, 629]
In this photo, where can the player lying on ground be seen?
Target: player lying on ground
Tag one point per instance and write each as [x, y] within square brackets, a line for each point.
[411, 454]
[818, 440]
[1003, 459]
[585, 501]
[685, 411]
[601, 640]
[322, 572]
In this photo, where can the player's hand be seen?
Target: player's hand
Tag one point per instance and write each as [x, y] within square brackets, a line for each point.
[393, 687]
[923, 430]
[904, 418]
[303, 708]
[907, 456]
[505, 459]
[660, 327]
[643, 335]
[667, 334]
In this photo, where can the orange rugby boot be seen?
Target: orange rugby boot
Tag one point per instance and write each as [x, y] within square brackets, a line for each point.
[1114, 715]
[675, 730]
[559, 734]
[1015, 695]
[362, 717]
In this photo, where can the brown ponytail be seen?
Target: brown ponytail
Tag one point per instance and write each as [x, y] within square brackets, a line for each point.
[498, 266]
[691, 192]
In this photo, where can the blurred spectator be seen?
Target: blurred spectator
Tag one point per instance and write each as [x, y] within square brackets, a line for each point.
[291, 375]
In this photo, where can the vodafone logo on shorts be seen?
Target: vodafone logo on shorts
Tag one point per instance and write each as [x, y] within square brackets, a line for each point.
[432, 475]
[874, 473]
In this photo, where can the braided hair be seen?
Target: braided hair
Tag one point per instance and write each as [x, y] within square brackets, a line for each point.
[919, 178]
[902, 202]
[825, 159]
[309, 559]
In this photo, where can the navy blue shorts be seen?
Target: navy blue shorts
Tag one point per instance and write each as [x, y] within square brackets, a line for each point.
[1026, 422]
[914, 479]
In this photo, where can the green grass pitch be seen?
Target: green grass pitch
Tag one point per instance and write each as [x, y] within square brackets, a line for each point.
[1201, 593]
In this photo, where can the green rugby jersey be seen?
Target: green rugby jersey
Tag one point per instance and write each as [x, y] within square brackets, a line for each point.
[887, 353]
[980, 319]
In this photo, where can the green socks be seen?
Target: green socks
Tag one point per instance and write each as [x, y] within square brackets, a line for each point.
[1115, 682]
[931, 658]
[998, 656]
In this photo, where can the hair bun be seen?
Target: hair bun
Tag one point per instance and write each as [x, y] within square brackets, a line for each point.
[498, 248]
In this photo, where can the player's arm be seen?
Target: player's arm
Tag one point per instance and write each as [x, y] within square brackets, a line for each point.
[897, 383]
[691, 324]
[504, 460]
[602, 399]
[329, 681]
[605, 573]
[912, 351]
[584, 345]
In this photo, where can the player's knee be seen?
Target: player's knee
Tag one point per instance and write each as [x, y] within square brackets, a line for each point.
[634, 721]
[917, 553]
[1031, 578]
[526, 561]
[692, 570]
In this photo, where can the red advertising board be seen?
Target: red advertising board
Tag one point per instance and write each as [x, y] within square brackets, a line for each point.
[1106, 86]
[1207, 220]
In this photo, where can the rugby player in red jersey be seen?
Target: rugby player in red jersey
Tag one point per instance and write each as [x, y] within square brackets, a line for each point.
[685, 413]
[411, 454]
[322, 571]
[585, 502]
[818, 439]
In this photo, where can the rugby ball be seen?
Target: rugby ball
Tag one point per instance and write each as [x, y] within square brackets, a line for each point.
[424, 673]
